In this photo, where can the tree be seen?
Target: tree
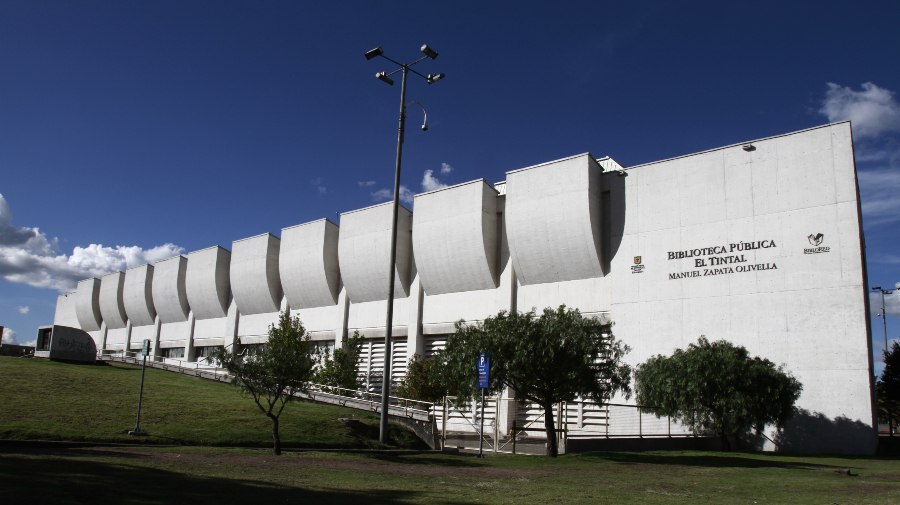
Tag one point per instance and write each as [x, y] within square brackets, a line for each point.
[887, 389]
[717, 387]
[549, 359]
[274, 373]
[341, 368]
[423, 381]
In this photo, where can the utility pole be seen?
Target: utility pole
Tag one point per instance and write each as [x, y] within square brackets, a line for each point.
[384, 77]
[884, 323]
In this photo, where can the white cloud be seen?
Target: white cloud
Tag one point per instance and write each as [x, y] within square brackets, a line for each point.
[878, 193]
[873, 110]
[431, 183]
[24, 310]
[317, 182]
[10, 337]
[366, 184]
[406, 196]
[28, 257]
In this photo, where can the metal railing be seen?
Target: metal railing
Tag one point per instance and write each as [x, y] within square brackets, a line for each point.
[352, 398]
[513, 427]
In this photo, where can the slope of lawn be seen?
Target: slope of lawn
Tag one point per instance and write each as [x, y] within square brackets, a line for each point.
[226, 476]
[50, 400]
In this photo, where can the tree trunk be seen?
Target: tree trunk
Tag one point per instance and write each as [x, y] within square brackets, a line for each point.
[552, 447]
[726, 446]
[275, 437]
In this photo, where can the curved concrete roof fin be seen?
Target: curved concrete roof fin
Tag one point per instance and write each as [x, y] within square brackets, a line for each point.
[138, 295]
[309, 264]
[87, 304]
[255, 281]
[553, 220]
[364, 250]
[208, 282]
[169, 290]
[455, 238]
[112, 302]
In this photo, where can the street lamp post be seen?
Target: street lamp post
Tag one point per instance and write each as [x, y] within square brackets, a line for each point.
[884, 323]
[385, 77]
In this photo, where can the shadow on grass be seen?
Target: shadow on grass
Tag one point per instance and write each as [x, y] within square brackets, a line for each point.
[445, 461]
[720, 460]
[57, 480]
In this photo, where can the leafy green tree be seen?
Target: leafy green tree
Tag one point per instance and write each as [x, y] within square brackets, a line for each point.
[341, 368]
[423, 381]
[274, 373]
[717, 387]
[887, 389]
[554, 358]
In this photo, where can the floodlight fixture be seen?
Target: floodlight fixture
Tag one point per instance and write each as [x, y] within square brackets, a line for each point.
[382, 76]
[378, 51]
[433, 78]
[429, 51]
[876, 288]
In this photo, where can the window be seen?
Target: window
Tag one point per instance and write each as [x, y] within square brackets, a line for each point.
[324, 346]
[173, 352]
[203, 352]
[44, 341]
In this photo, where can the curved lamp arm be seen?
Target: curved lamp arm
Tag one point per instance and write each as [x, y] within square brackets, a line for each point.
[425, 120]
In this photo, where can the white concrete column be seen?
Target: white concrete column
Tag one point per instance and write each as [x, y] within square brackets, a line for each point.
[189, 344]
[232, 322]
[102, 336]
[343, 312]
[415, 339]
[127, 337]
[154, 353]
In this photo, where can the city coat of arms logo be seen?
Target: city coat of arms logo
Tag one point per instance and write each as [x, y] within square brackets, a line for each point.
[816, 240]
[637, 260]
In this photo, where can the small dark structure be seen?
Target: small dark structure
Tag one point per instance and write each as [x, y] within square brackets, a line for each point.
[63, 342]
[16, 350]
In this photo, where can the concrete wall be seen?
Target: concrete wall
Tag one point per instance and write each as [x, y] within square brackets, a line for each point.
[170, 291]
[66, 314]
[768, 284]
[365, 251]
[255, 281]
[455, 236]
[758, 245]
[112, 302]
[87, 305]
[208, 282]
[309, 264]
[553, 220]
[137, 295]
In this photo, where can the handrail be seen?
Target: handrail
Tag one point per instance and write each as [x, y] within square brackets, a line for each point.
[324, 389]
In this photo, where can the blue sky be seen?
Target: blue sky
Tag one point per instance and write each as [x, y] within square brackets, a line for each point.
[146, 127]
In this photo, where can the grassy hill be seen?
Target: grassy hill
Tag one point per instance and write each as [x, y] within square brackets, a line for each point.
[49, 400]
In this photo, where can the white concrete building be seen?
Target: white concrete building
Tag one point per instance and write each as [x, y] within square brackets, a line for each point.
[757, 243]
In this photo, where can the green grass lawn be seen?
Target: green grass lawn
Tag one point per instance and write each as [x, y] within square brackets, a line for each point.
[49, 400]
[225, 476]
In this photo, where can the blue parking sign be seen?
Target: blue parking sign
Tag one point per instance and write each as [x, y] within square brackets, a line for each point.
[484, 368]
